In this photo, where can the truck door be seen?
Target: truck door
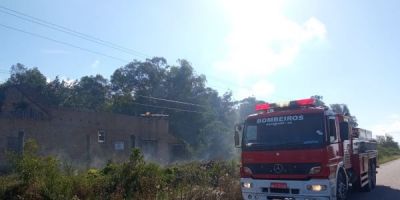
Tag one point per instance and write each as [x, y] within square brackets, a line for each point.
[347, 148]
[333, 140]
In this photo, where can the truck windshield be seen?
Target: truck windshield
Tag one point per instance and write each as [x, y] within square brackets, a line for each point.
[284, 132]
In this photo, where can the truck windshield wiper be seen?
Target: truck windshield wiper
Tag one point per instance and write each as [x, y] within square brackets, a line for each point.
[276, 146]
[256, 144]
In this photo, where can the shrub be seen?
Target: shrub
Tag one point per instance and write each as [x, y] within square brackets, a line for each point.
[36, 177]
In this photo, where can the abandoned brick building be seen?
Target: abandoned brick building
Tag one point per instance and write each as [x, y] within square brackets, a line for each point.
[82, 138]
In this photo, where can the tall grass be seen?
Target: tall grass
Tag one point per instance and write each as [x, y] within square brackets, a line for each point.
[386, 154]
[35, 177]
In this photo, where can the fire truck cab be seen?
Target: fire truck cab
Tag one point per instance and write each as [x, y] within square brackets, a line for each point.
[303, 150]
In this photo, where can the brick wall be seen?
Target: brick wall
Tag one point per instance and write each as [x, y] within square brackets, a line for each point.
[73, 135]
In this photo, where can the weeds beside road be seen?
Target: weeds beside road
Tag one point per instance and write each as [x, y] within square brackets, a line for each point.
[37, 177]
[386, 154]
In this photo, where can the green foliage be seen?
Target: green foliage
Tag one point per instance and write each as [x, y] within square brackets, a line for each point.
[90, 92]
[42, 178]
[2, 96]
[36, 177]
[387, 141]
[215, 144]
[344, 110]
[154, 77]
[24, 77]
[388, 149]
[247, 107]
[57, 92]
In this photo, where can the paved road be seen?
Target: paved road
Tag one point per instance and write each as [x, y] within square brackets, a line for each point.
[388, 184]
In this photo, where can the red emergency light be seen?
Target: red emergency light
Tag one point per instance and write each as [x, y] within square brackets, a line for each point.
[292, 104]
[305, 102]
[262, 106]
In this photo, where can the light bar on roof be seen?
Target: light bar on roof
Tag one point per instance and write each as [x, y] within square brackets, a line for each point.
[306, 102]
[262, 106]
[283, 104]
[293, 104]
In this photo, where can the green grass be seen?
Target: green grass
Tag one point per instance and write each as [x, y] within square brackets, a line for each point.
[34, 177]
[386, 159]
[386, 154]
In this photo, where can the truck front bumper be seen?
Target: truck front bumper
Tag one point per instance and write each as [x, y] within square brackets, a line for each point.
[255, 189]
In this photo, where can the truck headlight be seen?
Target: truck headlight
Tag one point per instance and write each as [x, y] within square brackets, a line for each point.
[247, 185]
[316, 188]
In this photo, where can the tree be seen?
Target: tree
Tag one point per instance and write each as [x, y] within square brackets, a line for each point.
[387, 141]
[57, 92]
[91, 92]
[216, 142]
[182, 84]
[27, 78]
[344, 110]
[319, 100]
[247, 106]
[135, 80]
[139, 77]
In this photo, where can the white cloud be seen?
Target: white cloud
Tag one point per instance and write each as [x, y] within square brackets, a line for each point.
[394, 116]
[69, 82]
[261, 41]
[48, 79]
[389, 125]
[95, 64]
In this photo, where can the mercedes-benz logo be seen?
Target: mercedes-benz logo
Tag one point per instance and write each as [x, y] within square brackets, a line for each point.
[278, 168]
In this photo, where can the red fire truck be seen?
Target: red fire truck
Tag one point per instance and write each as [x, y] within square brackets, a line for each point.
[303, 150]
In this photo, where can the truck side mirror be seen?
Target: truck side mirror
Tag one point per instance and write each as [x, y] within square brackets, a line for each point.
[238, 129]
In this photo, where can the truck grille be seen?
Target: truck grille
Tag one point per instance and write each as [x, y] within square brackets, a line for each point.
[281, 168]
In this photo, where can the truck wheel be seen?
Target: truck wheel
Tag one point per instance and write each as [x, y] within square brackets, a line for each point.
[342, 187]
[371, 178]
[373, 175]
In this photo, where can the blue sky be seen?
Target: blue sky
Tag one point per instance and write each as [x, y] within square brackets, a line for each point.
[346, 51]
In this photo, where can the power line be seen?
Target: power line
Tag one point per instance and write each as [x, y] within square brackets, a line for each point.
[87, 37]
[69, 31]
[84, 36]
[177, 109]
[173, 101]
[95, 52]
[64, 43]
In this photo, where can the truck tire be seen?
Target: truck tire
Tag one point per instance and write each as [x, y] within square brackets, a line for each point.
[373, 169]
[371, 178]
[342, 187]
